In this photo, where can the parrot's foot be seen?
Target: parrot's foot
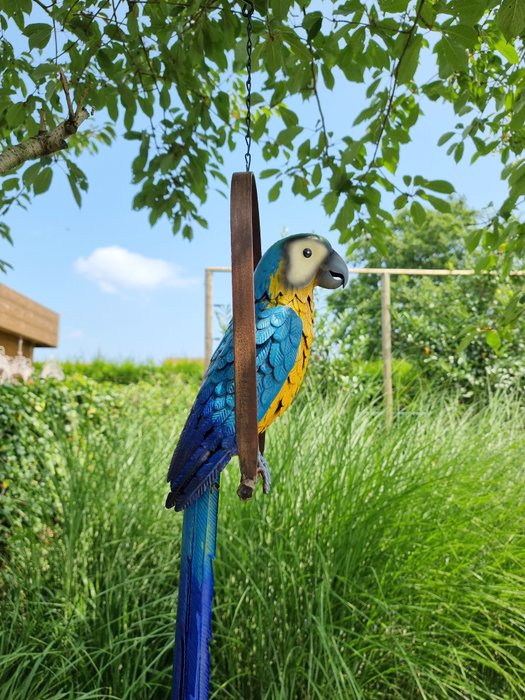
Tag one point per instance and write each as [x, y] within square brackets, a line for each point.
[263, 469]
[247, 485]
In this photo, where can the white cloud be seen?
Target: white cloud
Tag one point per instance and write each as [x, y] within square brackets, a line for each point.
[115, 269]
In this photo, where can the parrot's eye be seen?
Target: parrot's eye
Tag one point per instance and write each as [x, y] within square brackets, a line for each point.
[307, 253]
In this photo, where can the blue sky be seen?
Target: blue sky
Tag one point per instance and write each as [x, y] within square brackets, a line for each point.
[126, 290]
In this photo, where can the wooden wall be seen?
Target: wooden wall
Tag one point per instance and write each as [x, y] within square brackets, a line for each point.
[10, 345]
[21, 317]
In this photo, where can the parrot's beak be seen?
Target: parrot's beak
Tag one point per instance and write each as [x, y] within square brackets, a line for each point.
[333, 272]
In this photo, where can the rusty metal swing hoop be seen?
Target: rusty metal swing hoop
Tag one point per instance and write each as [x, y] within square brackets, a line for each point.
[246, 253]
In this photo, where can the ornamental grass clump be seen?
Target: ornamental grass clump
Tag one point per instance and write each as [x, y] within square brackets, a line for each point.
[383, 564]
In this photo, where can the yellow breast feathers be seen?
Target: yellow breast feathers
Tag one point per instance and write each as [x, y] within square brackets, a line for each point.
[302, 302]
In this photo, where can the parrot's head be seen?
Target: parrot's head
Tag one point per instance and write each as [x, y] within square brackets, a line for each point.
[300, 262]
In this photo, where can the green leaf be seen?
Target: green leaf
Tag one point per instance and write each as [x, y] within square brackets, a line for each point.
[44, 70]
[452, 56]
[16, 114]
[312, 22]
[274, 192]
[371, 89]
[445, 137]
[280, 8]
[442, 186]
[222, 103]
[513, 310]
[287, 136]
[493, 339]
[316, 175]
[38, 35]
[427, 15]
[5, 233]
[105, 61]
[458, 153]
[328, 76]
[463, 34]
[11, 183]
[74, 189]
[507, 51]
[330, 202]
[127, 97]
[409, 62]
[146, 104]
[517, 179]
[297, 47]
[441, 205]
[468, 11]
[42, 181]
[467, 338]
[279, 93]
[511, 18]
[393, 5]
[344, 218]
[30, 174]
[300, 186]
[289, 118]
[272, 54]
[418, 213]
[401, 201]
[473, 240]
[270, 172]
[259, 126]
[257, 99]
[164, 97]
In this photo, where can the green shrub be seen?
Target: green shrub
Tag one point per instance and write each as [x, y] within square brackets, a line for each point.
[433, 317]
[129, 372]
[35, 419]
[192, 370]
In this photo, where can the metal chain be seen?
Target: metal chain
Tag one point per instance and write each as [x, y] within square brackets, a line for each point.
[247, 11]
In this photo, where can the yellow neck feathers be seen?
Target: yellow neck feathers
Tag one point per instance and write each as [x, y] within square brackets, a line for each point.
[302, 302]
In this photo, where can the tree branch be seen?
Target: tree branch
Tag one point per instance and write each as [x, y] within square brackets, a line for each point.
[316, 93]
[65, 87]
[395, 78]
[42, 145]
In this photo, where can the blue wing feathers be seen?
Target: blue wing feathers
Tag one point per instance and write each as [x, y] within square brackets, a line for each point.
[263, 334]
[207, 442]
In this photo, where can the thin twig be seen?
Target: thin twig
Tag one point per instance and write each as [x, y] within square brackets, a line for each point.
[46, 8]
[43, 126]
[65, 86]
[395, 78]
[316, 93]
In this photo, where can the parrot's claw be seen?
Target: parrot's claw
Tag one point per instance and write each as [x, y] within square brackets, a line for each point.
[263, 469]
[247, 485]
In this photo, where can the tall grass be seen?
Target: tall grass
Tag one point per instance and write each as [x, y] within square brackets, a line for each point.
[382, 565]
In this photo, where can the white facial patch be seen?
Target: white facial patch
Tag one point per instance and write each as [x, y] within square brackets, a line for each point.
[302, 268]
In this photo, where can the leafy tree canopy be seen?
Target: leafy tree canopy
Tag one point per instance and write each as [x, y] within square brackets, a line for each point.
[454, 330]
[172, 74]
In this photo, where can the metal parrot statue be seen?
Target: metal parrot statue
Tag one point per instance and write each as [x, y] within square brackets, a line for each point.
[284, 281]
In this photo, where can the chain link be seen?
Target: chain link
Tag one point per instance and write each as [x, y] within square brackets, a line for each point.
[247, 11]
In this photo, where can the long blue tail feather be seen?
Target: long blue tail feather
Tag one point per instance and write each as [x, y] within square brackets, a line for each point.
[191, 668]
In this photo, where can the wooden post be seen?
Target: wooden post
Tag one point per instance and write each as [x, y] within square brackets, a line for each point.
[208, 317]
[386, 341]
